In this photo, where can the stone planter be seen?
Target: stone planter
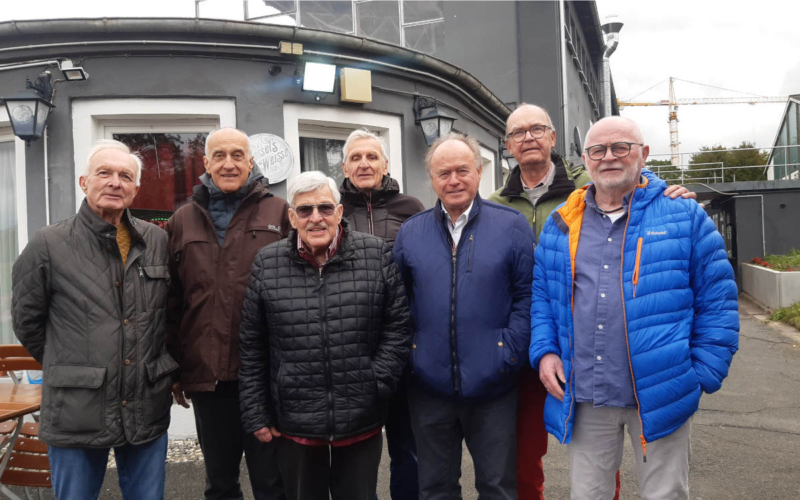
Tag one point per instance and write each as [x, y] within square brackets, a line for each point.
[774, 289]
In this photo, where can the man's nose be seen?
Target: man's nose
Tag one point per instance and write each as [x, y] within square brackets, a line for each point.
[315, 216]
[114, 180]
[453, 179]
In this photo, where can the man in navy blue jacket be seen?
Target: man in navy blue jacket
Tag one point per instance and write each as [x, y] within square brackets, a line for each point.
[467, 264]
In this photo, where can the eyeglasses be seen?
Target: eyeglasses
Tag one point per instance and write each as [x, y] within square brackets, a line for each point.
[537, 132]
[305, 211]
[618, 149]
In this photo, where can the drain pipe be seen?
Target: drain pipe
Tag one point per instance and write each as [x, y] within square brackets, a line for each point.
[564, 86]
[611, 27]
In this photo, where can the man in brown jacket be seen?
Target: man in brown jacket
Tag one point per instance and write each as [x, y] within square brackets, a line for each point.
[212, 243]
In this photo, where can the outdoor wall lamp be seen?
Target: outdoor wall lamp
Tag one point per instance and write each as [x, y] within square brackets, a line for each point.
[319, 77]
[434, 123]
[71, 72]
[28, 110]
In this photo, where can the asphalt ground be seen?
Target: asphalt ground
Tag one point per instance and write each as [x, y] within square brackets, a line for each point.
[745, 437]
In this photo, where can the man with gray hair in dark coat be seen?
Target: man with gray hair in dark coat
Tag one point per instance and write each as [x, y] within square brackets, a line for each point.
[88, 303]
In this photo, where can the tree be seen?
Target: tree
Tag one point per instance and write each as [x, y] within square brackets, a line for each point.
[711, 162]
[664, 169]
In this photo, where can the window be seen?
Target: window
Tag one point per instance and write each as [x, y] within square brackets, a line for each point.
[13, 222]
[379, 20]
[486, 186]
[316, 135]
[329, 16]
[169, 133]
[792, 152]
[423, 26]
[172, 164]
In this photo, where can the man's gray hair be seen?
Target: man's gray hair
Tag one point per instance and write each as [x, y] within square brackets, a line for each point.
[364, 134]
[104, 144]
[211, 134]
[311, 181]
[471, 143]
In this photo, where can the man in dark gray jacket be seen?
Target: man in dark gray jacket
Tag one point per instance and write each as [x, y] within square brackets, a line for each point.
[88, 303]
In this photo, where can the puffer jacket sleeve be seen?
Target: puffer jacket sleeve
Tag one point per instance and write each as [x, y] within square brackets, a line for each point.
[394, 345]
[715, 330]
[254, 371]
[31, 295]
[544, 332]
[518, 333]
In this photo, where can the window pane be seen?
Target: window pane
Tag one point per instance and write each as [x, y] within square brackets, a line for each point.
[323, 155]
[379, 20]
[422, 11]
[427, 38]
[172, 166]
[792, 152]
[330, 16]
[8, 237]
[277, 7]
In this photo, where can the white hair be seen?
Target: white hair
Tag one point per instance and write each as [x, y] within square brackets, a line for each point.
[358, 134]
[311, 181]
[211, 134]
[104, 144]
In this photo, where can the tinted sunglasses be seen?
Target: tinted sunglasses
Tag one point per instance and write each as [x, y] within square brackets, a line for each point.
[305, 211]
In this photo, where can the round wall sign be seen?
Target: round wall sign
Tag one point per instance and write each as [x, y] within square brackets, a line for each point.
[273, 156]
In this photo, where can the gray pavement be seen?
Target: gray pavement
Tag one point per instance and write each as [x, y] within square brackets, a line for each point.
[745, 438]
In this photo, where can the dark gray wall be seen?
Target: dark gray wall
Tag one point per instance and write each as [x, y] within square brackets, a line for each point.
[259, 101]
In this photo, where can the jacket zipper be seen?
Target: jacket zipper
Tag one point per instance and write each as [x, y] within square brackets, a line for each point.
[453, 322]
[141, 286]
[326, 355]
[369, 215]
[625, 318]
[469, 258]
[571, 355]
[636, 268]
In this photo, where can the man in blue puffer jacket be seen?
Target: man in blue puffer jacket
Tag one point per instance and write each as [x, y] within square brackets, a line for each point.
[467, 264]
[634, 315]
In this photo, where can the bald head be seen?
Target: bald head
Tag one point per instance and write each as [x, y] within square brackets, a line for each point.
[616, 124]
[526, 110]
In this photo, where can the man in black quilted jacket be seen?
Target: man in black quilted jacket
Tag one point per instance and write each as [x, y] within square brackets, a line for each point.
[325, 336]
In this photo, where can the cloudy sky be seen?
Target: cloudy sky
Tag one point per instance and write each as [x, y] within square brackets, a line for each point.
[749, 47]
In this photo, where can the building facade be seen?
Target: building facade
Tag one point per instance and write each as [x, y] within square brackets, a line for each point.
[160, 85]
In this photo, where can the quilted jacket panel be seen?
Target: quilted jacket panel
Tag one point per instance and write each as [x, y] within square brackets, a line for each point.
[321, 351]
[98, 330]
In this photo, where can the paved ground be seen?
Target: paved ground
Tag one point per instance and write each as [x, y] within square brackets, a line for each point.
[745, 438]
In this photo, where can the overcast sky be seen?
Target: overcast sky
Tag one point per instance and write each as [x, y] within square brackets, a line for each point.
[749, 47]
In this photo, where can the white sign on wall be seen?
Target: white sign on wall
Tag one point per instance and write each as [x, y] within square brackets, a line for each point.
[273, 156]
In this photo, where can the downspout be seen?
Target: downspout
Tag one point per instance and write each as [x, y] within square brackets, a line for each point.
[564, 87]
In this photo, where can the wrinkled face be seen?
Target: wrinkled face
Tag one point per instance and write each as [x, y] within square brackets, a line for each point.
[230, 161]
[316, 231]
[111, 183]
[611, 173]
[454, 176]
[365, 165]
[530, 151]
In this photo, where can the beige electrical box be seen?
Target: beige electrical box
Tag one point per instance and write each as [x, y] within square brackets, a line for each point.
[291, 48]
[356, 85]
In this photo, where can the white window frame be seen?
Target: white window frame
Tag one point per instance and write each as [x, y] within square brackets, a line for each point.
[310, 120]
[487, 185]
[21, 193]
[95, 119]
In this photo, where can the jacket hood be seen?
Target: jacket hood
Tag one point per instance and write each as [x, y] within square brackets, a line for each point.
[562, 184]
[255, 181]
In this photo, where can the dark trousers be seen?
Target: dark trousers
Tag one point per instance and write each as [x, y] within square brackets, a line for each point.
[222, 440]
[347, 472]
[403, 482]
[489, 430]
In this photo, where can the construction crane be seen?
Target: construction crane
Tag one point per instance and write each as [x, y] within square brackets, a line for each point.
[673, 103]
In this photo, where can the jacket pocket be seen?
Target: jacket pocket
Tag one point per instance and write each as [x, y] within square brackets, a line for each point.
[157, 397]
[78, 396]
[154, 281]
[635, 280]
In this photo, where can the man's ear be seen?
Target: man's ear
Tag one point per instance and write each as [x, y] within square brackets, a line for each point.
[82, 183]
[645, 154]
[205, 162]
[293, 218]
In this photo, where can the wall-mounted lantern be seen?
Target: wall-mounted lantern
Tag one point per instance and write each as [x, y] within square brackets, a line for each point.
[28, 110]
[434, 123]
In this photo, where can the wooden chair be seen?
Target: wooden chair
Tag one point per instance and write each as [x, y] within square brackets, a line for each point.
[26, 464]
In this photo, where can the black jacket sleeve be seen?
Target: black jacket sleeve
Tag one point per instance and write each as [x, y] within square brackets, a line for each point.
[395, 340]
[254, 374]
[30, 299]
